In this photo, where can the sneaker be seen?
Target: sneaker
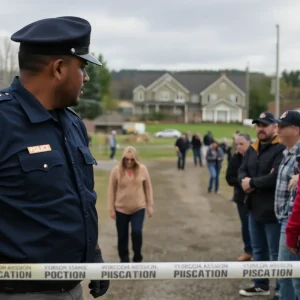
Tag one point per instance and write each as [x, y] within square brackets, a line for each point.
[254, 291]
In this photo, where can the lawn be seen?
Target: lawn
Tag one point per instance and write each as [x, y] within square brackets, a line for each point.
[99, 141]
[144, 154]
[218, 130]
[101, 183]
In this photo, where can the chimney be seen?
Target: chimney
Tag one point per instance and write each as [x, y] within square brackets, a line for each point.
[223, 73]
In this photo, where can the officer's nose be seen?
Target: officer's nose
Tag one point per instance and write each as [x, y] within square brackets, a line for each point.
[86, 77]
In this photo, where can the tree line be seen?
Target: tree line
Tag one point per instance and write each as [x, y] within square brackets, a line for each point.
[106, 86]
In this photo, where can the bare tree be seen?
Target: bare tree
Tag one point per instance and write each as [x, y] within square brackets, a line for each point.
[8, 61]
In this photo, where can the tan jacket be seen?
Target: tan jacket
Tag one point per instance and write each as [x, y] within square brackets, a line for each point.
[128, 194]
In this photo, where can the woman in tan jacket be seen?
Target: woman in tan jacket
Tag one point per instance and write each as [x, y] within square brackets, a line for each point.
[129, 196]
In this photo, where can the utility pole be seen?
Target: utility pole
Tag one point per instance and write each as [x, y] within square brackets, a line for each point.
[277, 94]
[247, 91]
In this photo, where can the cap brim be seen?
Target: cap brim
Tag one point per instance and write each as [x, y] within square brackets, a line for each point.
[90, 58]
[262, 121]
[282, 123]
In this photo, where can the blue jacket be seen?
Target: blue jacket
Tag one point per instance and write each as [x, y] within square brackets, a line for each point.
[47, 197]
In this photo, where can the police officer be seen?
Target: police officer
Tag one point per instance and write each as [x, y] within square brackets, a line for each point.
[47, 197]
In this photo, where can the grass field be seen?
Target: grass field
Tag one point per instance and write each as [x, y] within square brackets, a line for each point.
[218, 130]
[144, 154]
[101, 183]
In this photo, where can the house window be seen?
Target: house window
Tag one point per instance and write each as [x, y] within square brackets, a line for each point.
[212, 97]
[141, 96]
[180, 96]
[164, 96]
[232, 98]
[236, 99]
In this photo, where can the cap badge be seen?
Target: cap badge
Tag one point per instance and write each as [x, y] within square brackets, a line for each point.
[284, 115]
[262, 115]
[73, 50]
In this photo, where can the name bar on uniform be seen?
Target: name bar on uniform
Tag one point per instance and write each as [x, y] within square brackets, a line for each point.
[151, 271]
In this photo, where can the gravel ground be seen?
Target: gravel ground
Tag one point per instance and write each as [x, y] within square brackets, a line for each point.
[188, 225]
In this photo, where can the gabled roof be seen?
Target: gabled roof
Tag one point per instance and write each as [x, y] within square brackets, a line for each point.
[195, 82]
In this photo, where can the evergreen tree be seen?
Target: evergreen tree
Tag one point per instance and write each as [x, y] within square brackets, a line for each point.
[89, 106]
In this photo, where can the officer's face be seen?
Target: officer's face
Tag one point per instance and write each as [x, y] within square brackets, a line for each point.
[76, 77]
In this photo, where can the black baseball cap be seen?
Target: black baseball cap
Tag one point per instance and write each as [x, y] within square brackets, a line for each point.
[266, 118]
[290, 118]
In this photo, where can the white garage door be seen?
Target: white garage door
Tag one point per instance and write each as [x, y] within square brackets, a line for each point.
[209, 116]
[222, 116]
[234, 115]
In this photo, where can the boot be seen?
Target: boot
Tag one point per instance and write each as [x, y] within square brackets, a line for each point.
[245, 257]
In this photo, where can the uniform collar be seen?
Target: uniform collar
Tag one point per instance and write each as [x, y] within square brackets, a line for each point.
[32, 107]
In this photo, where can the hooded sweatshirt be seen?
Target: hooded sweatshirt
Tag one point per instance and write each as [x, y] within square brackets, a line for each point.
[128, 193]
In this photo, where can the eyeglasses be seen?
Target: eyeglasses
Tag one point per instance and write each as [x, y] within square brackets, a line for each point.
[129, 159]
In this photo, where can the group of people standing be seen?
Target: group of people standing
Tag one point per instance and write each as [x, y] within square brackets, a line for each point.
[264, 175]
[212, 152]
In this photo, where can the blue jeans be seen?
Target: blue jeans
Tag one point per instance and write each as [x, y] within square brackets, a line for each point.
[214, 177]
[289, 287]
[122, 221]
[244, 213]
[265, 245]
[197, 154]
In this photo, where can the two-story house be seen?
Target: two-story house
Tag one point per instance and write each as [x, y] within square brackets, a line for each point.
[193, 96]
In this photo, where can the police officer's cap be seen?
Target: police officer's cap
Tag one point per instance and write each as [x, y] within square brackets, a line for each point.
[57, 36]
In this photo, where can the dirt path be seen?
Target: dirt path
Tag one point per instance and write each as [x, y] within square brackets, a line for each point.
[188, 225]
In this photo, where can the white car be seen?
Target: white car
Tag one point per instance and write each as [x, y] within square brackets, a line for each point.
[168, 133]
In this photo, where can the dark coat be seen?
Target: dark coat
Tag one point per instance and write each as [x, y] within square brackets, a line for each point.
[232, 178]
[261, 163]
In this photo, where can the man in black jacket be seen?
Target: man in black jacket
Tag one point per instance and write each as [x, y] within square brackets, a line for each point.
[181, 147]
[257, 175]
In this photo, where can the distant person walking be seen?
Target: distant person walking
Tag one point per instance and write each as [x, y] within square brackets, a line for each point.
[112, 142]
[207, 141]
[214, 158]
[197, 145]
[181, 147]
[129, 196]
[243, 142]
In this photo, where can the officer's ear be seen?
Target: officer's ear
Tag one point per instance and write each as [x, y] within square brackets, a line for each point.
[60, 69]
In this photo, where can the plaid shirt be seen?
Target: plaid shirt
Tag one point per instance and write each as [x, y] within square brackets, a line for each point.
[284, 199]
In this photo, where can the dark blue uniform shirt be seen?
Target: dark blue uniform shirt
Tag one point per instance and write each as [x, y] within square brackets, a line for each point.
[47, 199]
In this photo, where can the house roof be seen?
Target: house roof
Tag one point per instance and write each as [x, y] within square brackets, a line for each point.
[195, 82]
[108, 119]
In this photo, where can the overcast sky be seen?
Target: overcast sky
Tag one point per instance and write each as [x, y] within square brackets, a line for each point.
[177, 34]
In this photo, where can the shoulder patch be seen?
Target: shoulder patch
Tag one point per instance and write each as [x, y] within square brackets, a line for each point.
[6, 95]
[72, 111]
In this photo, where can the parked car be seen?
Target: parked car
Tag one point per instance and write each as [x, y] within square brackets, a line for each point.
[168, 133]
